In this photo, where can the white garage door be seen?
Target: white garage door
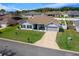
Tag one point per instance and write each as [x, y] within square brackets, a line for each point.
[52, 29]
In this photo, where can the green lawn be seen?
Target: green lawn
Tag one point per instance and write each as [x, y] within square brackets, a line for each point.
[64, 43]
[21, 35]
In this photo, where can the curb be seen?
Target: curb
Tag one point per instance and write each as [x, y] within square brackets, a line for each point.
[38, 46]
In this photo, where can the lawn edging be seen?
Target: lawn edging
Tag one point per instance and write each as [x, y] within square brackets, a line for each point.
[15, 41]
[68, 51]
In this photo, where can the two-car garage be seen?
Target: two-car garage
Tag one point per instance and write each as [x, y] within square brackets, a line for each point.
[52, 27]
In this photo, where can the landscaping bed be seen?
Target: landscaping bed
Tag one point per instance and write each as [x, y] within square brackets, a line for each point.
[63, 41]
[29, 36]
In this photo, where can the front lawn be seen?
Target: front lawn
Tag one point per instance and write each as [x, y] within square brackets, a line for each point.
[64, 43]
[21, 35]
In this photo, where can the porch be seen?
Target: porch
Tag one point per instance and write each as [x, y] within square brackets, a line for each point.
[38, 26]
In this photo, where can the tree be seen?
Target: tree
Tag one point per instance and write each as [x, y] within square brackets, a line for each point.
[17, 12]
[3, 11]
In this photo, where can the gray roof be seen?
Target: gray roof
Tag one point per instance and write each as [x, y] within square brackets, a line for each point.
[22, 21]
[73, 12]
[32, 13]
[76, 23]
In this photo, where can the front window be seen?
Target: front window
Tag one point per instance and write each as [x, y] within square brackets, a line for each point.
[29, 26]
[23, 26]
[41, 27]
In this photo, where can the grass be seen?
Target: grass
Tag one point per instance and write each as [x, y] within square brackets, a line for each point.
[64, 43]
[21, 35]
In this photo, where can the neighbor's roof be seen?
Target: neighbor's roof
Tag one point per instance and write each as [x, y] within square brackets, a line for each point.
[42, 20]
[73, 12]
[7, 19]
[54, 12]
[4, 19]
[76, 23]
[32, 13]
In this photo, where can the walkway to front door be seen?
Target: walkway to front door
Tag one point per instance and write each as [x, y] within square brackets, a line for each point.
[48, 40]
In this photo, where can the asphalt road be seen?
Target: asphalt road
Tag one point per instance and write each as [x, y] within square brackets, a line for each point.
[30, 50]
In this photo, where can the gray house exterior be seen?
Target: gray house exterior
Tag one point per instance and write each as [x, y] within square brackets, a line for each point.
[41, 23]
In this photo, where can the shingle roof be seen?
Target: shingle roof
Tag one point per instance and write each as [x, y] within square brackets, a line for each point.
[42, 20]
[32, 13]
[73, 12]
[6, 19]
[76, 23]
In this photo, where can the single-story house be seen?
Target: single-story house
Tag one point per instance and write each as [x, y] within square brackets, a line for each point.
[73, 13]
[54, 14]
[3, 24]
[31, 13]
[44, 23]
[7, 20]
[76, 24]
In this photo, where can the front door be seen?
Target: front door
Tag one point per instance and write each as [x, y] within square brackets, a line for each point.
[35, 26]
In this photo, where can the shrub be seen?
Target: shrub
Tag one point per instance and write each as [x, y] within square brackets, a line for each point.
[12, 24]
[29, 40]
[1, 31]
[61, 29]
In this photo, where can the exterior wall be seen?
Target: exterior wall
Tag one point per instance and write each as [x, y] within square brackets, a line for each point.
[49, 27]
[3, 26]
[77, 29]
[64, 26]
[26, 23]
[52, 27]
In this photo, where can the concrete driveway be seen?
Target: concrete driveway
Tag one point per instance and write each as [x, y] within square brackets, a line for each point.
[48, 40]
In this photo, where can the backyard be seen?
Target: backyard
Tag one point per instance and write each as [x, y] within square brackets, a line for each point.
[65, 43]
[12, 33]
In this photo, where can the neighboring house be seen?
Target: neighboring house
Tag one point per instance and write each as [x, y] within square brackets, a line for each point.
[7, 20]
[32, 13]
[54, 14]
[44, 23]
[3, 24]
[76, 24]
[3, 13]
[73, 13]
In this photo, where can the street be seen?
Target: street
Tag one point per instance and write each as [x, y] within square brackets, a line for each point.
[31, 50]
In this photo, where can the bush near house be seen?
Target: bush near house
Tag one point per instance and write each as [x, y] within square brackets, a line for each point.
[1, 31]
[61, 29]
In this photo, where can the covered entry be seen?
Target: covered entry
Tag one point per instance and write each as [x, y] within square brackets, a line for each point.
[38, 26]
